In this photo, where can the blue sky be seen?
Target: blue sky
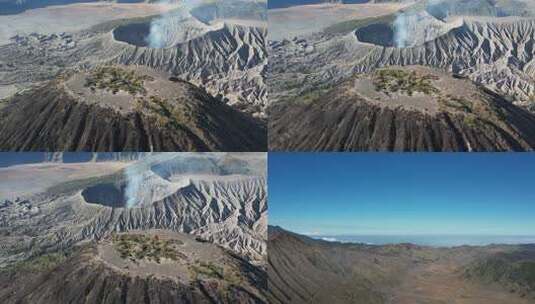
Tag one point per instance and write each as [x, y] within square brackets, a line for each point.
[399, 194]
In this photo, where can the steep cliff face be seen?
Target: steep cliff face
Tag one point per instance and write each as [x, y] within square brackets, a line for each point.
[51, 118]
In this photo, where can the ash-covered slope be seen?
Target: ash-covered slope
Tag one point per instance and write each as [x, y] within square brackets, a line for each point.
[227, 61]
[495, 52]
[225, 57]
[83, 275]
[159, 115]
[219, 198]
[429, 111]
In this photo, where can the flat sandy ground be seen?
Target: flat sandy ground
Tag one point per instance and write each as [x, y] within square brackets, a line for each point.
[188, 248]
[25, 180]
[307, 19]
[441, 283]
[73, 17]
[448, 86]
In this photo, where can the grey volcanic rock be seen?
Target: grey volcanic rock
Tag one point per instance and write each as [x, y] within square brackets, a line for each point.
[225, 58]
[192, 209]
[229, 59]
[134, 228]
[49, 119]
[202, 195]
[495, 52]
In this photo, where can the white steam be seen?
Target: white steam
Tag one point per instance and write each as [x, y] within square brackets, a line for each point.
[139, 184]
[401, 30]
[158, 175]
[135, 179]
[164, 29]
[413, 27]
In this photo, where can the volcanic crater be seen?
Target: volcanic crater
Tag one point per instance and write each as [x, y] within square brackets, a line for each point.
[106, 194]
[377, 33]
[134, 33]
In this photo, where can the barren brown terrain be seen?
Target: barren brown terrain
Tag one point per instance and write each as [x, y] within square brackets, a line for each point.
[441, 282]
[305, 270]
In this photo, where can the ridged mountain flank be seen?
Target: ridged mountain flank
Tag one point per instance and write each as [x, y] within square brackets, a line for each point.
[120, 108]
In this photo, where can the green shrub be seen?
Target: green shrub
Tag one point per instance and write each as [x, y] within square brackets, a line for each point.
[115, 79]
[138, 247]
[400, 81]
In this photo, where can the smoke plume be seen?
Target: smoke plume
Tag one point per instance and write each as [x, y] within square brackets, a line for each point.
[163, 29]
[408, 24]
[401, 32]
[138, 179]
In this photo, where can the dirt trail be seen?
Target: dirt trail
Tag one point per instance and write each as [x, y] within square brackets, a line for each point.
[440, 282]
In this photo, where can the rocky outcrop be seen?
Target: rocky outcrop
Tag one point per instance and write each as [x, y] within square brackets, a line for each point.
[494, 53]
